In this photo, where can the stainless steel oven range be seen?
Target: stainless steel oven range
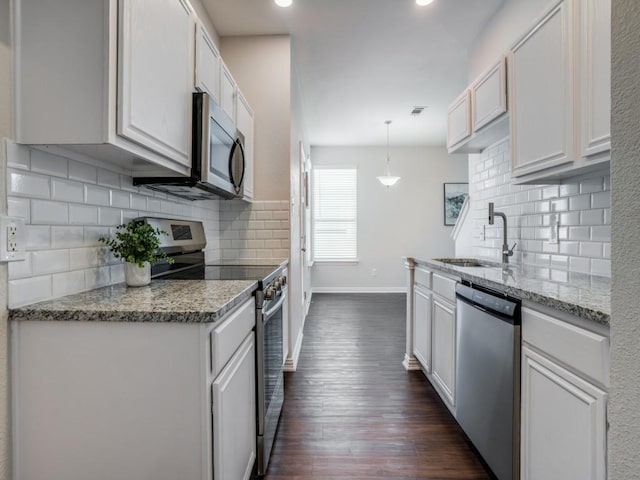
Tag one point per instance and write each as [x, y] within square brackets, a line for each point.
[185, 243]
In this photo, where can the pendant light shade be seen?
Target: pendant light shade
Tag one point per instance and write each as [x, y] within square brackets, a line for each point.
[387, 179]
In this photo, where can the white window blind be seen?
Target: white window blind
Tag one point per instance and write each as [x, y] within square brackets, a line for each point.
[335, 193]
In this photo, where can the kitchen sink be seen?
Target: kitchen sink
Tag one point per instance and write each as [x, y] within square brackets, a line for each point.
[463, 262]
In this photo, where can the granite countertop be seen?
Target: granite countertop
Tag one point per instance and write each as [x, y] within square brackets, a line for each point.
[180, 301]
[586, 296]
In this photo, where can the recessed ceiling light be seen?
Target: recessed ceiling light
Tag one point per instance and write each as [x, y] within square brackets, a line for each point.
[287, 3]
[423, 2]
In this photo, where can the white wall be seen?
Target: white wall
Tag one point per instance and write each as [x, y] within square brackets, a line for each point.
[583, 207]
[624, 435]
[262, 67]
[404, 220]
[6, 130]
[509, 23]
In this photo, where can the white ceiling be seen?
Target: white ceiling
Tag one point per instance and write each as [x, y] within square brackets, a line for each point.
[361, 62]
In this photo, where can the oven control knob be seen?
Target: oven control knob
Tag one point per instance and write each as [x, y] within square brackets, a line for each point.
[270, 293]
[283, 280]
[278, 284]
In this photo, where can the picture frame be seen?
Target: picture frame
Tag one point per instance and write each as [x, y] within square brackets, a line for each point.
[454, 197]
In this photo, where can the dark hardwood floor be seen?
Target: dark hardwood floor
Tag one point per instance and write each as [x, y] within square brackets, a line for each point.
[353, 412]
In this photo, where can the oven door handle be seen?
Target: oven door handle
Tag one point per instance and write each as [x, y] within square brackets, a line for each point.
[275, 308]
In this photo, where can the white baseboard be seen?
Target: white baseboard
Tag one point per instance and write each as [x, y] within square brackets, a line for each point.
[359, 290]
[291, 363]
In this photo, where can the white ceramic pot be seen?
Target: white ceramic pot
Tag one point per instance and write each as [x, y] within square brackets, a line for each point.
[136, 276]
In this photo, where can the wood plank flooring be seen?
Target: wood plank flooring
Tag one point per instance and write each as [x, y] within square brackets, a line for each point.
[353, 412]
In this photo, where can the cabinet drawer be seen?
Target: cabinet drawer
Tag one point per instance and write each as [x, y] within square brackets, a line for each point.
[227, 337]
[423, 277]
[585, 352]
[445, 287]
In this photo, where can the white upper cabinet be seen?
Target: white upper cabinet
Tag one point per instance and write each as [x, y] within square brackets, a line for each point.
[244, 123]
[459, 120]
[560, 94]
[207, 74]
[155, 75]
[228, 87]
[489, 95]
[111, 80]
[541, 94]
[595, 77]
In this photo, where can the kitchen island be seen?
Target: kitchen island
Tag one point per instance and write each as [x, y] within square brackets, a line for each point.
[150, 382]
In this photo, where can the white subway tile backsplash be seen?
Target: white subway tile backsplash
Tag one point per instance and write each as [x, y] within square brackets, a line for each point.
[19, 207]
[45, 212]
[592, 185]
[95, 195]
[37, 237]
[18, 156]
[67, 237]
[82, 172]
[109, 216]
[583, 206]
[48, 164]
[66, 191]
[67, 283]
[108, 179]
[592, 217]
[66, 216]
[29, 290]
[49, 261]
[120, 199]
[28, 184]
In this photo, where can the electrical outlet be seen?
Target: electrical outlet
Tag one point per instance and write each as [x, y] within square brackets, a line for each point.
[553, 228]
[11, 239]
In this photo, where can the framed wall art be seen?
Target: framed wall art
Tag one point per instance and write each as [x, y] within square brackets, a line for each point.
[454, 196]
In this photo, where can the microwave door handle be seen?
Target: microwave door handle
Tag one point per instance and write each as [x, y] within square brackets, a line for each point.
[232, 164]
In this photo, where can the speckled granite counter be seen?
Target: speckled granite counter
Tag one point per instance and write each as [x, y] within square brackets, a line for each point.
[183, 301]
[586, 296]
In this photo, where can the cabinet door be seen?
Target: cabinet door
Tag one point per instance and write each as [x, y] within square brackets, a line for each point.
[245, 124]
[563, 423]
[459, 119]
[234, 415]
[228, 88]
[156, 75]
[489, 95]
[207, 77]
[422, 327]
[444, 347]
[595, 76]
[541, 94]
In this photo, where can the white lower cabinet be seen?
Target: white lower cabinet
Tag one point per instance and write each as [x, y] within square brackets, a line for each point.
[444, 347]
[134, 400]
[234, 410]
[433, 320]
[564, 400]
[422, 326]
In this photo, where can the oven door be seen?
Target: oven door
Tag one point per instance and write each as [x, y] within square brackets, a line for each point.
[270, 376]
[222, 150]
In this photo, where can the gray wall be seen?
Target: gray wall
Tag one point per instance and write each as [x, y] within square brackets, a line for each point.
[624, 436]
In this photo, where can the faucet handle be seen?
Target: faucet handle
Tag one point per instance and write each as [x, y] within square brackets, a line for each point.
[510, 250]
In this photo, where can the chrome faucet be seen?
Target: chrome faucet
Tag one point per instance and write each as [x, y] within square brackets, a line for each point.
[506, 251]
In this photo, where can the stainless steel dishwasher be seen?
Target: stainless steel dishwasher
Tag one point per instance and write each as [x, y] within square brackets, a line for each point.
[488, 376]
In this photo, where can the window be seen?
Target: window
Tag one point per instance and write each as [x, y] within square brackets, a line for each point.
[335, 214]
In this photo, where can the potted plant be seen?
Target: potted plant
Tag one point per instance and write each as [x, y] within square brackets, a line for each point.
[137, 244]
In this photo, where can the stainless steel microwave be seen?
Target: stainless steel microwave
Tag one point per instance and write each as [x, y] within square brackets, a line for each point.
[218, 162]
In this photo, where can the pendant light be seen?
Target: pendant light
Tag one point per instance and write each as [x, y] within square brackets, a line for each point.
[387, 179]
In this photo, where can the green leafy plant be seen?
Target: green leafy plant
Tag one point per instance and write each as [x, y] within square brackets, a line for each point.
[137, 242]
